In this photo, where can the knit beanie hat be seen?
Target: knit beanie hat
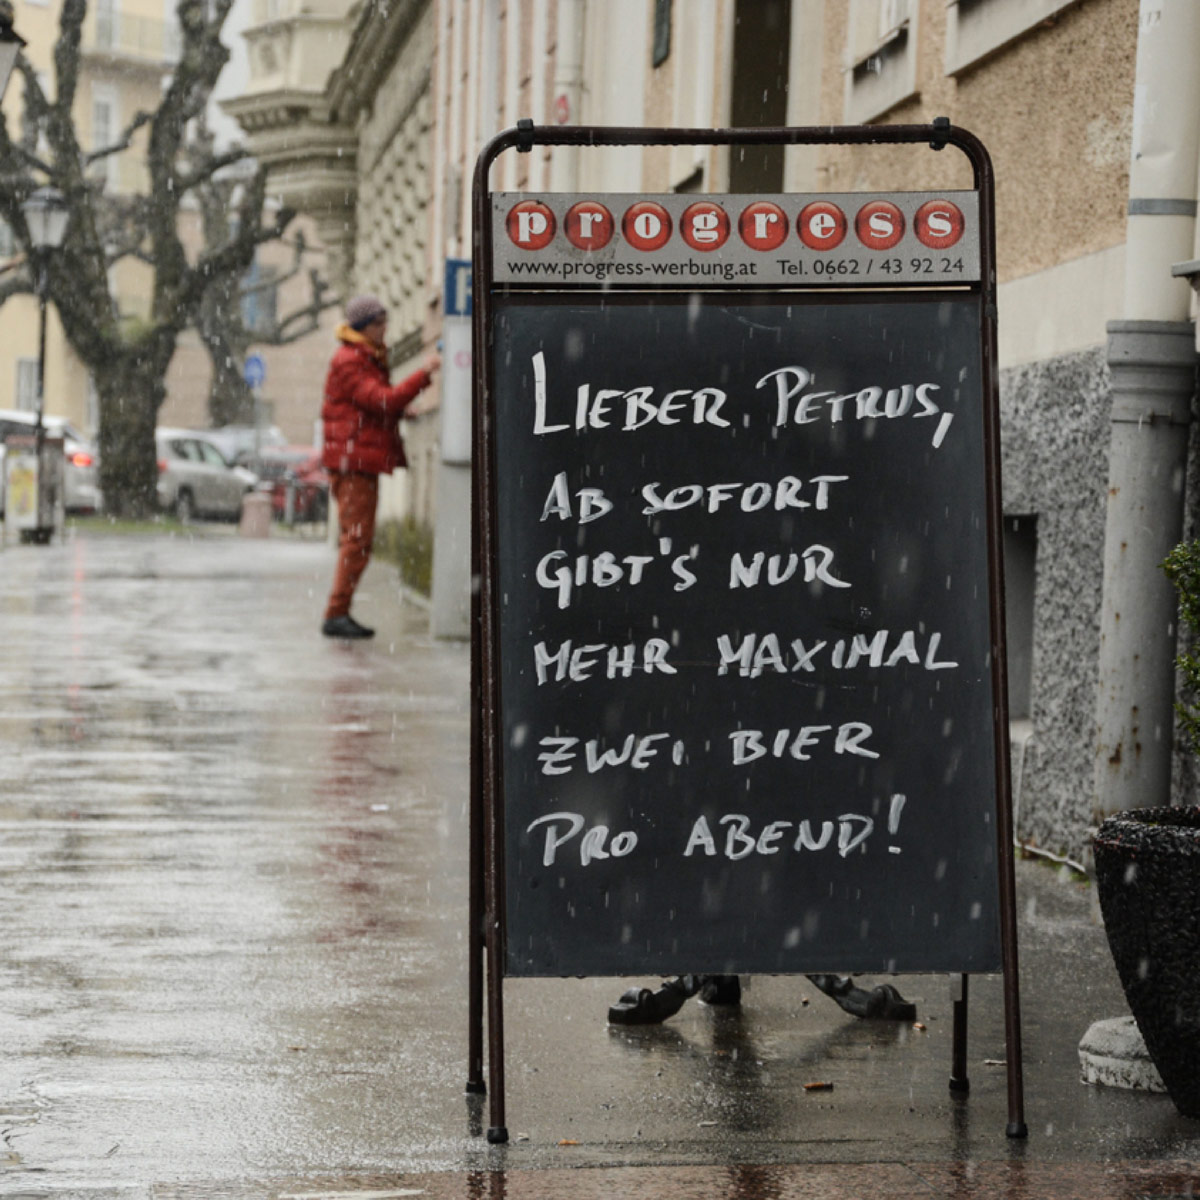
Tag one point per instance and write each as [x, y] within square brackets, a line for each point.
[362, 310]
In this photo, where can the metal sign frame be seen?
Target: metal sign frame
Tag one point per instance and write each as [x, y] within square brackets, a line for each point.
[486, 897]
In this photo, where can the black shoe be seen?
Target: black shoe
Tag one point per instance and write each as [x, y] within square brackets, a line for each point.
[641, 1006]
[720, 989]
[881, 1003]
[886, 1004]
[345, 627]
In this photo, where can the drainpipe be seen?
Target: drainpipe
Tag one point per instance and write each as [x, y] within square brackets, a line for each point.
[1152, 361]
[568, 91]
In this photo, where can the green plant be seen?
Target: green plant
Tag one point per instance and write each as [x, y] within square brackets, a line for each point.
[409, 545]
[1182, 567]
[101, 523]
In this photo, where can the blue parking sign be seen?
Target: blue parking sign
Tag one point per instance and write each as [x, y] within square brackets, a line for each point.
[254, 371]
[457, 294]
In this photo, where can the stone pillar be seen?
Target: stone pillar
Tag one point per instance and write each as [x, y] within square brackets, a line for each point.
[1153, 366]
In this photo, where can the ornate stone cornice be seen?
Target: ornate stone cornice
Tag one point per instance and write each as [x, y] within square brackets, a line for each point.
[283, 109]
[311, 163]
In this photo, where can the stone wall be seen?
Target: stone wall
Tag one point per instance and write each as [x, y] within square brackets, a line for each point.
[1054, 440]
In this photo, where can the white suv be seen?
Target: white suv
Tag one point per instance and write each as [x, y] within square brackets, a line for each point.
[194, 479]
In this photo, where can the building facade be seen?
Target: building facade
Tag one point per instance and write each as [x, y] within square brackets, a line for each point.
[380, 149]
[127, 48]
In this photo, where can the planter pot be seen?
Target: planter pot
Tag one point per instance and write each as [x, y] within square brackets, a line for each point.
[1148, 875]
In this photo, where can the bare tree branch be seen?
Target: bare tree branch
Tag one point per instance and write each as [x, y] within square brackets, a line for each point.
[32, 160]
[275, 282]
[16, 284]
[123, 142]
[209, 167]
[305, 320]
[115, 252]
[61, 131]
[36, 104]
[232, 256]
[236, 255]
[130, 252]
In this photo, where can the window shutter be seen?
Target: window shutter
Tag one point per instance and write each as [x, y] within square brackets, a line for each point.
[893, 16]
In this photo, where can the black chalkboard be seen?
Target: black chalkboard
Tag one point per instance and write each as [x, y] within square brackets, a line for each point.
[751, 729]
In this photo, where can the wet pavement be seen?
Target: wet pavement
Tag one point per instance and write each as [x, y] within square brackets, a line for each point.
[232, 915]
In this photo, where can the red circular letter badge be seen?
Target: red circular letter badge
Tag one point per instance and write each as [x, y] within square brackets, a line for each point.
[704, 225]
[531, 225]
[588, 225]
[646, 225]
[763, 225]
[821, 225]
[939, 224]
[879, 225]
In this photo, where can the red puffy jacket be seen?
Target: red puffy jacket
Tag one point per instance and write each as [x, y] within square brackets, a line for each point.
[362, 410]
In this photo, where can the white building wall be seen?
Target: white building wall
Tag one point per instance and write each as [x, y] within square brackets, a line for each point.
[615, 66]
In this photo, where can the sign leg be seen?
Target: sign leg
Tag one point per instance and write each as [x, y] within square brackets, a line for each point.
[497, 1131]
[958, 1064]
[475, 885]
[1016, 1127]
[475, 950]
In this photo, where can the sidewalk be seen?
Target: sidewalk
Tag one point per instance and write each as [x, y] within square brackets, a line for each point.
[233, 899]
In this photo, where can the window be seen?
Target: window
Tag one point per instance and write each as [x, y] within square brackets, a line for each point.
[27, 384]
[210, 454]
[975, 28]
[662, 32]
[105, 131]
[106, 24]
[259, 300]
[761, 49]
[881, 57]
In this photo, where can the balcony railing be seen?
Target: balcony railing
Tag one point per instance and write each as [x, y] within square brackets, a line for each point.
[133, 38]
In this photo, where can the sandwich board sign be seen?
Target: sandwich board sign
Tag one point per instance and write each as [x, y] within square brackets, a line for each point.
[741, 684]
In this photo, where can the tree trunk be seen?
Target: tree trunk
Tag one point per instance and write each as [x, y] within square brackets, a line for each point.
[131, 392]
[230, 401]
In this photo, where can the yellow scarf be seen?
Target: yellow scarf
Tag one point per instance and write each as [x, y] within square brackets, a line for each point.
[353, 338]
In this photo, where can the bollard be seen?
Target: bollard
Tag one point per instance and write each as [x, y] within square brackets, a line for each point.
[256, 515]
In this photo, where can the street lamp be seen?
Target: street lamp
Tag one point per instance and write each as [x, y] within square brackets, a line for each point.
[46, 216]
[10, 44]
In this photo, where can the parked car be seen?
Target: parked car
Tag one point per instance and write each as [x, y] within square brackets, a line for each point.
[81, 473]
[239, 443]
[298, 468]
[195, 479]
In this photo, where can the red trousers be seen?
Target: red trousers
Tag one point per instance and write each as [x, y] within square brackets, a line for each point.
[356, 495]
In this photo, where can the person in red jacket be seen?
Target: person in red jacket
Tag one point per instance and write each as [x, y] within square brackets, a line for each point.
[361, 415]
